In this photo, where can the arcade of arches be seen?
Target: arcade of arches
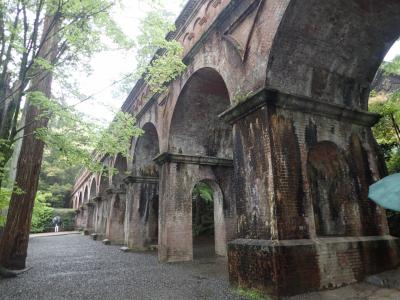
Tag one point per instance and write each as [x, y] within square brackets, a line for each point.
[271, 115]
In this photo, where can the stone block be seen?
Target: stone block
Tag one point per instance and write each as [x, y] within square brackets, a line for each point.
[94, 236]
[106, 242]
[290, 267]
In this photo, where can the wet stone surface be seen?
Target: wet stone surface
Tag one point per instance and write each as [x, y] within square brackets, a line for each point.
[76, 267]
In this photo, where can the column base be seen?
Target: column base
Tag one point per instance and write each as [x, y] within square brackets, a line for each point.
[290, 267]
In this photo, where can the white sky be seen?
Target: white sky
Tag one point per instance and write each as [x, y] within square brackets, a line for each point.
[109, 66]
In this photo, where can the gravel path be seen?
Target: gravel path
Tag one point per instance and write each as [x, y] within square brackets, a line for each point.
[76, 267]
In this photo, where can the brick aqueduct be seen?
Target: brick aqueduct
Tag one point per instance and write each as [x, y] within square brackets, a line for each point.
[272, 113]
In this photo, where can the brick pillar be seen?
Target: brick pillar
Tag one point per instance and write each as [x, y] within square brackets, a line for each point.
[117, 216]
[91, 210]
[142, 193]
[175, 215]
[302, 171]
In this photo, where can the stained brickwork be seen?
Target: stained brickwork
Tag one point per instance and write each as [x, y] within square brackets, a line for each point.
[272, 112]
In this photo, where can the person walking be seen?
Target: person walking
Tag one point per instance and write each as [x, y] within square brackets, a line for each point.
[56, 223]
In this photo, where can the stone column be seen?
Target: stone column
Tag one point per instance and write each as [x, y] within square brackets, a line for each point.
[302, 171]
[142, 201]
[90, 207]
[115, 226]
[179, 174]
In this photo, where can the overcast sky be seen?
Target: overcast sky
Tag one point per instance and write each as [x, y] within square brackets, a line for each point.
[109, 66]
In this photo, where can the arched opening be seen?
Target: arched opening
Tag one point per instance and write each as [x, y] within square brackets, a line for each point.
[143, 225]
[80, 199]
[86, 195]
[93, 189]
[195, 127]
[117, 218]
[104, 183]
[200, 146]
[121, 167]
[147, 148]
[208, 226]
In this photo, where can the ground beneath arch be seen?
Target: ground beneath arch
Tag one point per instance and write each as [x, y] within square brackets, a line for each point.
[76, 267]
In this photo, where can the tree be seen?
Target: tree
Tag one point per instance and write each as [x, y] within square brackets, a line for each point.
[67, 29]
[82, 24]
[14, 243]
[387, 131]
[75, 31]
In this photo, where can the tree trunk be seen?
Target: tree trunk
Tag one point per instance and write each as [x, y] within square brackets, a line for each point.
[14, 244]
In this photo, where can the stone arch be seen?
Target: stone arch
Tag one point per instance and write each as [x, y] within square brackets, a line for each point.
[75, 202]
[146, 149]
[93, 188]
[195, 127]
[331, 50]
[142, 193]
[117, 218]
[80, 198]
[104, 178]
[121, 166]
[199, 146]
[332, 190]
[86, 194]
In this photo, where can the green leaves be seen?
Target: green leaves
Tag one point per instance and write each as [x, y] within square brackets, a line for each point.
[393, 67]
[159, 58]
[76, 141]
[204, 191]
[42, 213]
[386, 131]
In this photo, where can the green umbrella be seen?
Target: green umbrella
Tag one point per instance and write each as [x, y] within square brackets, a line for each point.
[386, 192]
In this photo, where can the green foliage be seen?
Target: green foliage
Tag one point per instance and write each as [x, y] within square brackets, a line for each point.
[42, 213]
[4, 202]
[159, 58]
[251, 294]
[241, 96]
[167, 63]
[204, 191]
[56, 178]
[386, 131]
[75, 140]
[393, 162]
[393, 67]
[84, 27]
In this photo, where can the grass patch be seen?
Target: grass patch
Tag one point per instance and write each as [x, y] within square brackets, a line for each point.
[251, 294]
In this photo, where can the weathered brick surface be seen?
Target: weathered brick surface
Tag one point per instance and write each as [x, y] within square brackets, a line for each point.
[175, 236]
[294, 77]
[288, 267]
[115, 230]
[142, 223]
